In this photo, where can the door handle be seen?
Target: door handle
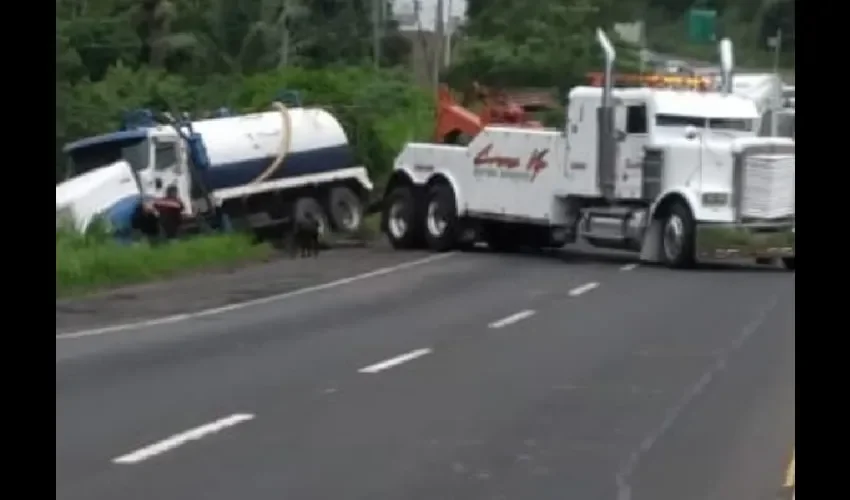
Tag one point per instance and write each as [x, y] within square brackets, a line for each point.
[157, 183]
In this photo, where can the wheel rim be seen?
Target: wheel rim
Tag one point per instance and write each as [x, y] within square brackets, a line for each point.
[349, 218]
[436, 223]
[395, 222]
[674, 234]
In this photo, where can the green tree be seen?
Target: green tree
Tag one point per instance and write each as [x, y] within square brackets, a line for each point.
[544, 43]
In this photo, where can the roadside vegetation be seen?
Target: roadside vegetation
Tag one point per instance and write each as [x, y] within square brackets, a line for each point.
[94, 261]
[186, 55]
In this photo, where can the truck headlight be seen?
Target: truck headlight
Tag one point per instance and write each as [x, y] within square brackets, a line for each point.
[715, 199]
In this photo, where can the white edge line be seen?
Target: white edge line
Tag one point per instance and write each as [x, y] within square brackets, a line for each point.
[391, 362]
[513, 318]
[176, 318]
[628, 267]
[177, 440]
[575, 292]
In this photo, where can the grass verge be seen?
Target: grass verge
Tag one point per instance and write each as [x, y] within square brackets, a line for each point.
[370, 229]
[87, 263]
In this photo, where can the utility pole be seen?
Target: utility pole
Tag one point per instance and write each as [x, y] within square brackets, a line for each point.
[377, 11]
[285, 35]
[777, 49]
[777, 52]
[439, 35]
[448, 38]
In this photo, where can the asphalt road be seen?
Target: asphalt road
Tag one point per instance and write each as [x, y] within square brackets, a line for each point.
[470, 377]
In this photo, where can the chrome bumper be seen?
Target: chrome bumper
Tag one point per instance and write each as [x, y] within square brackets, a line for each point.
[745, 240]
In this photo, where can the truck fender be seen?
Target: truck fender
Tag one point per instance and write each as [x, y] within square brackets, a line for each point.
[404, 175]
[650, 249]
[447, 178]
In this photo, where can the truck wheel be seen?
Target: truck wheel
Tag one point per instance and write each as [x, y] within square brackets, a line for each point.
[441, 219]
[309, 205]
[398, 219]
[677, 237]
[788, 263]
[346, 209]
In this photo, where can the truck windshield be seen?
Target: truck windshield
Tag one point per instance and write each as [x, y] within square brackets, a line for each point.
[735, 124]
[136, 152]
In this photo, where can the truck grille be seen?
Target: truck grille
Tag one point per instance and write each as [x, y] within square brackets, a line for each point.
[768, 186]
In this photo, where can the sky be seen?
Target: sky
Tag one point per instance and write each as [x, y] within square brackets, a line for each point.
[428, 12]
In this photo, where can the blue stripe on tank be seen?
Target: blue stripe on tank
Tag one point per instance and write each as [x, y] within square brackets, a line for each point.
[228, 175]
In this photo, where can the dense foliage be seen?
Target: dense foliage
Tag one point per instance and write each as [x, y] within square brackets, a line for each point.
[550, 42]
[114, 55]
[192, 55]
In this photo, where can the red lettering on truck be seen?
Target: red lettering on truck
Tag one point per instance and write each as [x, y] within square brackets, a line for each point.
[483, 158]
[536, 162]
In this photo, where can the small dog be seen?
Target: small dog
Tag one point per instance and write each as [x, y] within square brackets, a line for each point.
[305, 237]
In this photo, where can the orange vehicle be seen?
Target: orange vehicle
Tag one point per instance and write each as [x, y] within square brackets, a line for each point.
[457, 124]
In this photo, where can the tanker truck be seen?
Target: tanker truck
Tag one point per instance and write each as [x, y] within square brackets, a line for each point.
[258, 171]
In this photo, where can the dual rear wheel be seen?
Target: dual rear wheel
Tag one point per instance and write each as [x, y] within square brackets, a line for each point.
[433, 222]
[410, 224]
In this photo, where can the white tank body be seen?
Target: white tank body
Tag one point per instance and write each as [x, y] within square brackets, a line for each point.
[242, 149]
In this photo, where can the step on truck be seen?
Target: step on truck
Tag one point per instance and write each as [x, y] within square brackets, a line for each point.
[258, 171]
[672, 169]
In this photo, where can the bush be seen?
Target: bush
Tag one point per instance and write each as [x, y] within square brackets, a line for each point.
[94, 260]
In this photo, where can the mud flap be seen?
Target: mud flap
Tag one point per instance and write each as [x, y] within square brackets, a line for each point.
[650, 249]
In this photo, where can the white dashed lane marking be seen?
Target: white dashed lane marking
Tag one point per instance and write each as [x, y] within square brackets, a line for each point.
[178, 440]
[513, 318]
[392, 362]
[580, 290]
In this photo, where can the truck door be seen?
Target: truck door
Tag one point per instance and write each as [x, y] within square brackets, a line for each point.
[632, 130]
[170, 169]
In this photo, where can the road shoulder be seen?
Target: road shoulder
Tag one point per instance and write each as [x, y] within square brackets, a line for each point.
[219, 288]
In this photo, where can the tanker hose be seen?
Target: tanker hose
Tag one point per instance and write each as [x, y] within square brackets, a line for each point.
[285, 142]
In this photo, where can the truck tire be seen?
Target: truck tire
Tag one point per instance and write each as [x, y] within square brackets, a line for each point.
[345, 209]
[788, 263]
[309, 205]
[399, 219]
[678, 235]
[441, 223]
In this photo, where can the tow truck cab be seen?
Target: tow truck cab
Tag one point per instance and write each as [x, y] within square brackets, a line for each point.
[673, 147]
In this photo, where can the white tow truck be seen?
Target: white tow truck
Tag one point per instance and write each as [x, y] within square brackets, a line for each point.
[676, 175]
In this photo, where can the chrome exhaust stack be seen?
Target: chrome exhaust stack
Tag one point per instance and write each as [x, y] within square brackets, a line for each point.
[607, 142]
[727, 65]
